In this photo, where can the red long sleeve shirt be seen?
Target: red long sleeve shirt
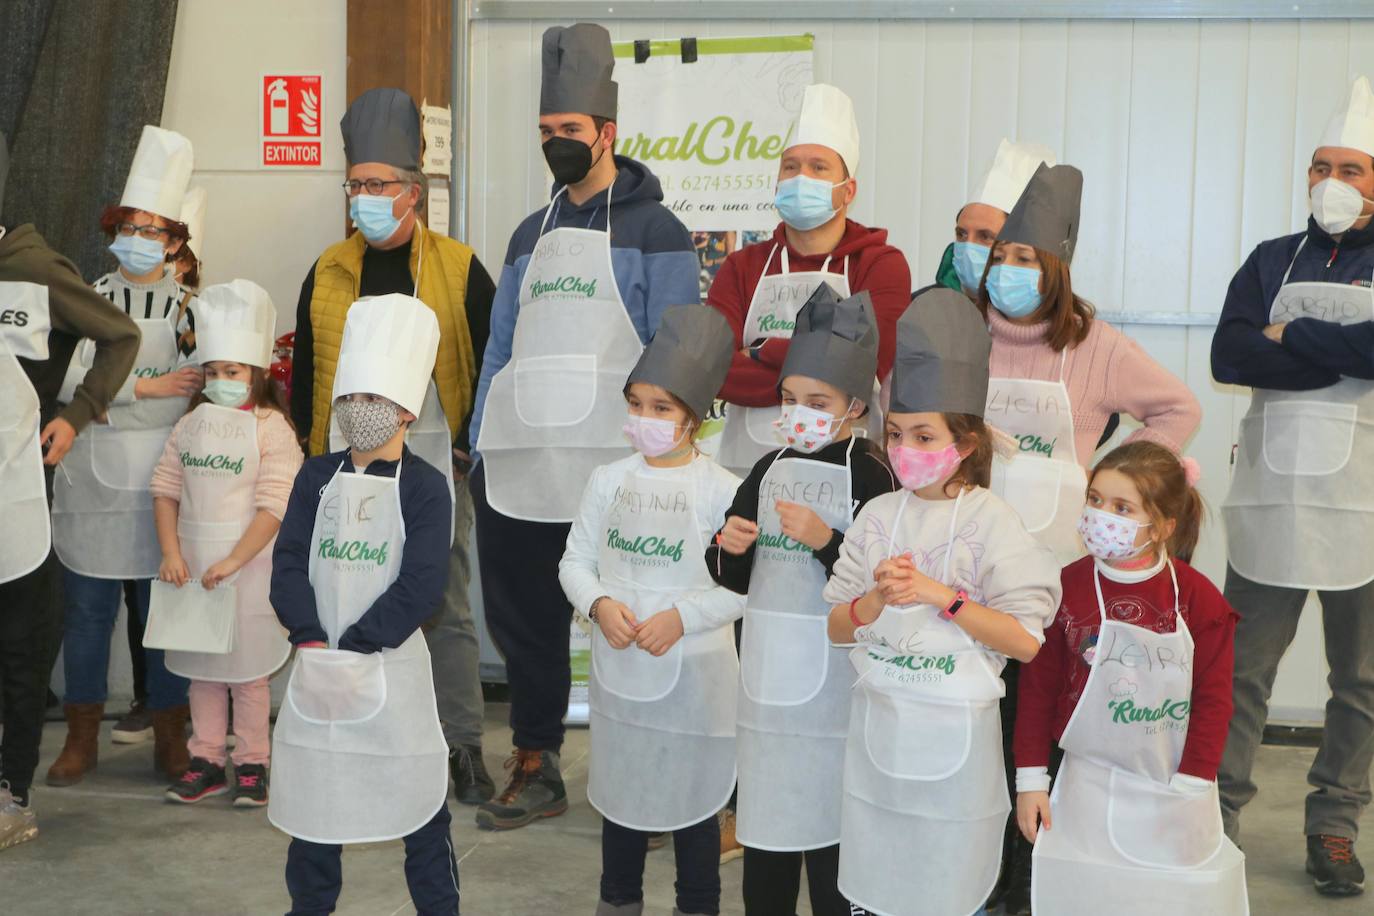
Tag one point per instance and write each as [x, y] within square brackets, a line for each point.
[1053, 682]
[863, 253]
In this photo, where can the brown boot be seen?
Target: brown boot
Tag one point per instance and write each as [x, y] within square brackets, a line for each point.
[78, 755]
[170, 757]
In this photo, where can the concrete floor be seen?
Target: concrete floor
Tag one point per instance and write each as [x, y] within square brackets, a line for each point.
[112, 846]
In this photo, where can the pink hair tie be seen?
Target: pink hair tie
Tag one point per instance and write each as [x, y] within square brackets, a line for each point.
[1192, 471]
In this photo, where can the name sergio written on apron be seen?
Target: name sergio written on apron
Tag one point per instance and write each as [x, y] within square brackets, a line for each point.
[1124, 652]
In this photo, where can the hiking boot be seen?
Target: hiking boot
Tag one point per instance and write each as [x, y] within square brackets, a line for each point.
[170, 757]
[1334, 868]
[79, 752]
[18, 824]
[730, 848]
[136, 726]
[472, 784]
[535, 790]
[201, 780]
[250, 785]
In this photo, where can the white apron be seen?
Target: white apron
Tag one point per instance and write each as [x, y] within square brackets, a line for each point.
[25, 536]
[102, 511]
[1300, 512]
[925, 793]
[794, 689]
[219, 466]
[663, 729]
[358, 755]
[749, 433]
[428, 437]
[1118, 823]
[1043, 481]
[554, 411]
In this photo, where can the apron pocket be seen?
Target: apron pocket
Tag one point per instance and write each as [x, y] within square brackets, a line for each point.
[124, 459]
[191, 618]
[1308, 438]
[1032, 487]
[1156, 826]
[784, 657]
[633, 674]
[915, 739]
[337, 687]
[555, 390]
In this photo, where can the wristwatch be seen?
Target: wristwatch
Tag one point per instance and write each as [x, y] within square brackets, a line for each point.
[960, 597]
[591, 611]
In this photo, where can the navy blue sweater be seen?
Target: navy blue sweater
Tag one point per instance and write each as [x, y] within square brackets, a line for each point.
[418, 589]
[1314, 353]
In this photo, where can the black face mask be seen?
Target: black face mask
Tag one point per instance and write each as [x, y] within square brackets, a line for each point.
[569, 160]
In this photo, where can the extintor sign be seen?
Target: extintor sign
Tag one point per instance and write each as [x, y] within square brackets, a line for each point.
[289, 120]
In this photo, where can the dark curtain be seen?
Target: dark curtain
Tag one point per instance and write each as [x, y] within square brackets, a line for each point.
[78, 80]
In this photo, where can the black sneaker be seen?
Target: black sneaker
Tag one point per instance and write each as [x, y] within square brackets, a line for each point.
[1334, 868]
[202, 780]
[250, 785]
[136, 726]
[535, 790]
[472, 784]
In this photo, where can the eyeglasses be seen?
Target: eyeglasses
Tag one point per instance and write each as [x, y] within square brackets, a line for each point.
[144, 231]
[374, 186]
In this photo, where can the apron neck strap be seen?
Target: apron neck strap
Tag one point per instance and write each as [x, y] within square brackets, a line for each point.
[1063, 362]
[1301, 244]
[787, 264]
[949, 537]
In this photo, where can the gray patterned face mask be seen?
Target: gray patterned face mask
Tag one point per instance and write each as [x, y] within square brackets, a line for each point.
[367, 425]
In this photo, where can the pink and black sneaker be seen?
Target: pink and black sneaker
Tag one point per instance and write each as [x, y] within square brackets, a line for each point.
[202, 780]
[250, 785]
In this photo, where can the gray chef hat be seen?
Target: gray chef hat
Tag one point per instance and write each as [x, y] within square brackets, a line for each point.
[688, 355]
[1046, 215]
[835, 341]
[382, 125]
[943, 347]
[577, 65]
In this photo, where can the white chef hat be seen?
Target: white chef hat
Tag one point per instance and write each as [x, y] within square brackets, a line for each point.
[159, 174]
[389, 346]
[235, 321]
[193, 215]
[827, 119]
[1352, 126]
[1010, 172]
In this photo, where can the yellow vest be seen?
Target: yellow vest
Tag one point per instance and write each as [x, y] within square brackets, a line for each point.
[443, 287]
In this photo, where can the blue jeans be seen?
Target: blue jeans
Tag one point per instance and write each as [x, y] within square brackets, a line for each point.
[92, 606]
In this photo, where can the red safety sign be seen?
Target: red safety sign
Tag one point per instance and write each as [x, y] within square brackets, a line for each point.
[290, 120]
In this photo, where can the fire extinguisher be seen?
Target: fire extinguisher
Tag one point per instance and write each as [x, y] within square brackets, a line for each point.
[283, 350]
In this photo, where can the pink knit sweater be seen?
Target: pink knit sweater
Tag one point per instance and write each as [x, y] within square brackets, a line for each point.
[1107, 373]
[279, 459]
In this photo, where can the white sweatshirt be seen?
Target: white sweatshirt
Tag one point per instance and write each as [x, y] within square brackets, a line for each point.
[995, 559]
[703, 607]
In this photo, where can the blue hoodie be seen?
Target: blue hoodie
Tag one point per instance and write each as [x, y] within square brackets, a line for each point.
[1314, 353]
[652, 255]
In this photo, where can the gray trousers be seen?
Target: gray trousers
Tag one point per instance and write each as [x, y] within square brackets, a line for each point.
[452, 637]
[1340, 773]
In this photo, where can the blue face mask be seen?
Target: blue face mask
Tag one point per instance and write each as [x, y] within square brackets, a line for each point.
[137, 255]
[1014, 291]
[970, 260]
[803, 202]
[226, 392]
[371, 213]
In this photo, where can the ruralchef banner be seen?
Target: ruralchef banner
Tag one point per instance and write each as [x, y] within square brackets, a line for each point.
[712, 130]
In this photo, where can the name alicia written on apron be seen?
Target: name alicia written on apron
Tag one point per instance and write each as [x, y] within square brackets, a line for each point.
[794, 690]
[25, 537]
[1300, 512]
[663, 729]
[553, 413]
[923, 761]
[352, 721]
[1117, 821]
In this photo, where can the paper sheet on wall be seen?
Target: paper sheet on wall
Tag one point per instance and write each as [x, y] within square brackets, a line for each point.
[436, 209]
[438, 133]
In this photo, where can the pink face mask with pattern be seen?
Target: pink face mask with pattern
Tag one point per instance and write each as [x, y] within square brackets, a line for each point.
[916, 468]
[1110, 537]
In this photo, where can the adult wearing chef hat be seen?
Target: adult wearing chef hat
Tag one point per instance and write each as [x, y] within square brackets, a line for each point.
[188, 261]
[103, 527]
[360, 562]
[761, 287]
[1296, 327]
[394, 251]
[584, 282]
[58, 310]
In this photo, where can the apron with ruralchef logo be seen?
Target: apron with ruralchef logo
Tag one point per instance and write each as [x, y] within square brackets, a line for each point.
[25, 536]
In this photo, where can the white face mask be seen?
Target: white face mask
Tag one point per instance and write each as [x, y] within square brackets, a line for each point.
[806, 429]
[1110, 537]
[1336, 205]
